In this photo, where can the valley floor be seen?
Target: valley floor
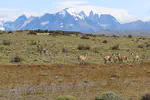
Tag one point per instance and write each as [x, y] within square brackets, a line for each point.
[85, 82]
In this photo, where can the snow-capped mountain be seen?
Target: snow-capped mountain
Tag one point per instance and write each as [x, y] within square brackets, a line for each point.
[1, 26]
[70, 19]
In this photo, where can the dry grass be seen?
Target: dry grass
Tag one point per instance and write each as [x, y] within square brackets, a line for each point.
[61, 74]
[26, 46]
[82, 81]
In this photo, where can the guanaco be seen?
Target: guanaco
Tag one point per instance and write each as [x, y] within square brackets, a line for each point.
[82, 58]
[122, 58]
[108, 58]
[135, 57]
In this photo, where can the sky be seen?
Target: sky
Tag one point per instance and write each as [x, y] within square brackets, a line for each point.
[122, 10]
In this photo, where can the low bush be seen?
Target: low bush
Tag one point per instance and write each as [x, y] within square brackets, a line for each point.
[146, 96]
[2, 32]
[96, 50]
[6, 42]
[105, 41]
[41, 31]
[129, 36]
[108, 96]
[83, 47]
[84, 37]
[10, 32]
[66, 98]
[115, 47]
[141, 46]
[32, 33]
[2, 47]
[16, 59]
[147, 44]
[64, 50]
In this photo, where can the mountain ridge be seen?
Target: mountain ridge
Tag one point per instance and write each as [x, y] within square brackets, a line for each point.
[70, 20]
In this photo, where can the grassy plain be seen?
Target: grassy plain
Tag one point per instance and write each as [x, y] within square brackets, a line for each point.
[45, 77]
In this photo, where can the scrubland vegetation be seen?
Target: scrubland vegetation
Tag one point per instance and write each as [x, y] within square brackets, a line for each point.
[45, 65]
[59, 47]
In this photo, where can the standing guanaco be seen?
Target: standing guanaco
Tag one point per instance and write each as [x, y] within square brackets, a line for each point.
[122, 58]
[109, 58]
[82, 58]
[135, 57]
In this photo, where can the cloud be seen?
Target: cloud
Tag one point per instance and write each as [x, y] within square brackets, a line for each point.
[28, 13]
[8, 9]
[8, 13]
[121, 15]
[72, 3]
[69, 4]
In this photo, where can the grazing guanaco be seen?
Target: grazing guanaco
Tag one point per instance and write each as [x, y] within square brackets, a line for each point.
[122, 58]
[108, 58]
[135, 57]
[82, 58]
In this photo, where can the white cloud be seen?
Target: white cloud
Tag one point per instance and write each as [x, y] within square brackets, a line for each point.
[121, 15]
[12, 14]
[28, 13]
[8, 13]
[8, 9]
[72, 3]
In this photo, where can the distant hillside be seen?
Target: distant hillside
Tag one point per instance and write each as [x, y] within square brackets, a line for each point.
[123, 33]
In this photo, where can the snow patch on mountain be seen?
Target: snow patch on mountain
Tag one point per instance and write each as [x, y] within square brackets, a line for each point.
[62, 13]
[76, 13]
[103, 25]
[44, 23]
[2, 26]
[71, 25]
[25, 23]
[61, 25]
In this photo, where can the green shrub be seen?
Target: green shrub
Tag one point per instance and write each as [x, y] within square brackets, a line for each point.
[96, 50]
[141, 46]
[105, 41]
[115, 47]
[64, 50]
[66, 98]
[16, 59]
[83, 47]
[32, 33]
[6, 42]
[2, 32]
[84, 37]
[108, 96]
[129, 36]
[2, 48]
[10, 32]
[146, 97]
[147, 44]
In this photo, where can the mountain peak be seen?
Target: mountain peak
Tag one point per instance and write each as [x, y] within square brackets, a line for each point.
[63, 12]
[82, 13]
[72, 19]
[66, 9]
[91, 13]
[22, 17]
[140, 21]
[107, 17]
